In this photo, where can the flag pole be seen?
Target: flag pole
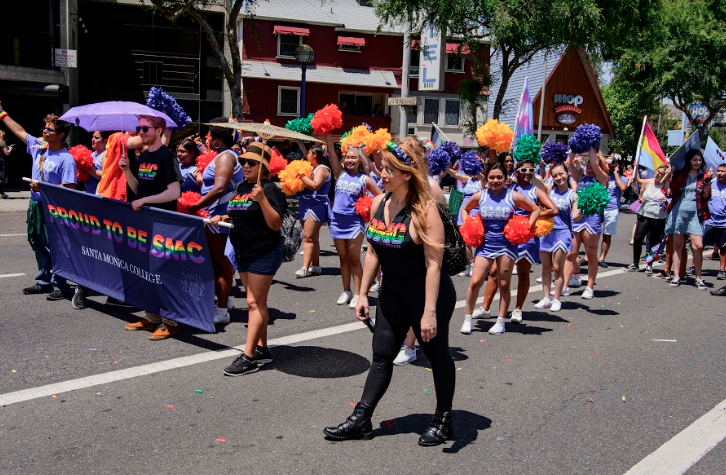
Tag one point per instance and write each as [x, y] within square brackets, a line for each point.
[640, 141]
[542, 99]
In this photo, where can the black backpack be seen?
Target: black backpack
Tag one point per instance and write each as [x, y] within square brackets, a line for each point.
[455, 260]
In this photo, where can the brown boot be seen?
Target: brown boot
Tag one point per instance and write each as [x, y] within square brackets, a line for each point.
[163, 332]
[142, 324]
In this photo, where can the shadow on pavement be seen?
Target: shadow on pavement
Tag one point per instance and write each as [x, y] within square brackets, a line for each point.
[467, 426]
[317, 362]
[543, 317]
[523, 328]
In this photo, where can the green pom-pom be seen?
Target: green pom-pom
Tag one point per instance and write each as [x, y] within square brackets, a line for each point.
[528, 149]
[592, 199]
[302, 125]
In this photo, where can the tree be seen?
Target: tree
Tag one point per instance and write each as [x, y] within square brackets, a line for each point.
[519, 29]
[195, 9]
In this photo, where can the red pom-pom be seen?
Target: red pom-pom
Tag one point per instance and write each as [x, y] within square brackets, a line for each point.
[363, 207]
[517, 230]
[277, 163]
[327, 120]
[472, 230]
[84, 160]
[205, 159]
[187, 199]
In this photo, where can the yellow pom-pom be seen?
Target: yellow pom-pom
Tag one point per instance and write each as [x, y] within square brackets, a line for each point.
[357, 137]
[379, 140]
[543, 227]
[290, 176]
[495, 135]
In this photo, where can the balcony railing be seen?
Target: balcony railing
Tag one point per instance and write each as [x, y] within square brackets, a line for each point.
[175, 74]
[28, 49]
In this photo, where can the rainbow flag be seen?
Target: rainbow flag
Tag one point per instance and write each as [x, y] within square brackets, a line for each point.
[651, 155]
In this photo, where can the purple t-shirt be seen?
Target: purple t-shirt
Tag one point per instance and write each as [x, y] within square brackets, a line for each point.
[615, 194]
[59, 168]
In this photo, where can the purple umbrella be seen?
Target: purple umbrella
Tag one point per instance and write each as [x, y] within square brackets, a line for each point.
[112, 115]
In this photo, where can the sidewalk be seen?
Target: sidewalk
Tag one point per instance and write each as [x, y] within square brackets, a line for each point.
[17, 201]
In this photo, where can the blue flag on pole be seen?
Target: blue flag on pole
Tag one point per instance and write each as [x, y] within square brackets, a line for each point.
[437, 135]
[524, 125]
[678, 159]
[713, 155]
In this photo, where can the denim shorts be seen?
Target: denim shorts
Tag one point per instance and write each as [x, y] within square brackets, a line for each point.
[264, 265]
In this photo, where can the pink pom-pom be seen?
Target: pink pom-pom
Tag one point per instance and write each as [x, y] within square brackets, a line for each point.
[517, 230]
[472, 230]
[363, 207]
[327, 120]
[84, 161]
[205, 159]
[187, 199]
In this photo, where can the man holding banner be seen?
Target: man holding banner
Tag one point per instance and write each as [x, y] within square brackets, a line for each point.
[52, 163]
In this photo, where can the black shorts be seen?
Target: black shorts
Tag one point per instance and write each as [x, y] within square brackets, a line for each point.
[713, 236]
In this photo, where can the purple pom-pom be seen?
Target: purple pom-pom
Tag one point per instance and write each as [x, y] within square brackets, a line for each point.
[162, 101]
[554, 152]
[586, 136]
[470, 164]
[438, 161]
[452, 149]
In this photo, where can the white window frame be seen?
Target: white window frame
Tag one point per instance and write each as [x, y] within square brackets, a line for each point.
[350, 48]
[279, 101]
[422, 108]
[443, 112]
[459, 71]
[299, 42]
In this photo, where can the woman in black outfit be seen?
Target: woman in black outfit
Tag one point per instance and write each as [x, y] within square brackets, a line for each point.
[406, 238]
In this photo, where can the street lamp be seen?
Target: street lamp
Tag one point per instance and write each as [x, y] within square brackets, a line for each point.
[304, 55]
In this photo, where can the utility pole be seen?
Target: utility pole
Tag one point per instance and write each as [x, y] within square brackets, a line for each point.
[403, 115]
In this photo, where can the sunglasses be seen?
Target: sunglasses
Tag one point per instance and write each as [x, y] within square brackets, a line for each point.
[144, 128]
[248, 161]
[48, 129]
[527, 170]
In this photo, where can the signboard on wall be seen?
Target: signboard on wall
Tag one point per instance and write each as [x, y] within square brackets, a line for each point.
[404, 101]
[433, 60]
[66, 58]
[566, 114]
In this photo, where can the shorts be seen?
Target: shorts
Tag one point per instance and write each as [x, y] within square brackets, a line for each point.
[610, 222]
[264, 265]
[714, 236]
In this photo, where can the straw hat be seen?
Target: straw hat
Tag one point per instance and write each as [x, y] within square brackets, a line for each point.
[259, 152]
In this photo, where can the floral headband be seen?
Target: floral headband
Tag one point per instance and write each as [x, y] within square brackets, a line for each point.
[400, 154]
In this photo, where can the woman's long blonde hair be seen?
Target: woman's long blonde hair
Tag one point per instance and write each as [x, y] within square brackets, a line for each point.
[419, 191]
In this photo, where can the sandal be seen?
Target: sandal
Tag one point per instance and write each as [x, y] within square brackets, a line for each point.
[662, 275]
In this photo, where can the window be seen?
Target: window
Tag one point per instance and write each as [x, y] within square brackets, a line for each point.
[414, 63]
[451, 113]
[562, 138]
[352, 48]
[359, 104]
[288, 101]
[454, 63]
[431, 111]
[287, 44]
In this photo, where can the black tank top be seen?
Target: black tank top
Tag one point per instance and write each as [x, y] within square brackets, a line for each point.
[398, 255]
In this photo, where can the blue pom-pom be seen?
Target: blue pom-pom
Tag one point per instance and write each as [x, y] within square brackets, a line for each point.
[162, 101]
[438, 161]
[586, 136]
[470, 164]
[452, 149]
[554, 152]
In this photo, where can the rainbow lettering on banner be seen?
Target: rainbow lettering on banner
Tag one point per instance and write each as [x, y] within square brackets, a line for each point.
[392, 236]
[147, 171]
[240, 202]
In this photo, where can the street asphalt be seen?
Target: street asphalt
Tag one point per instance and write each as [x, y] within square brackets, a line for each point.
[592, 389]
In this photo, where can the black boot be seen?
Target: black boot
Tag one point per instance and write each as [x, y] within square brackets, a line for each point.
[440, 429]
[357, 425]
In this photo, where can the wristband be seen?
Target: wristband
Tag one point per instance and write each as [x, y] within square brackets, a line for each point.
[3, 114]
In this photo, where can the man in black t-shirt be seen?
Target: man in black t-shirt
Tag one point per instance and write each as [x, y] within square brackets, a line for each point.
[155, 181]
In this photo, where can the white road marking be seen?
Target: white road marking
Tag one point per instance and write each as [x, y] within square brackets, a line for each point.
[20, 274]
[672, 341]
[123, 374]
[11, 235]
[687, 447]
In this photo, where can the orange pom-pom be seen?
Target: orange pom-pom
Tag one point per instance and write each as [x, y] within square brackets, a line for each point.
[543, 227]
[187, 199]
[472, 230]
[495, 135]
[517, 230]
[358, 137]
[378, 140]
[363, 207]
[290, 176]
[84, 160]
[205, 159]
[327, 120]
[277, 163]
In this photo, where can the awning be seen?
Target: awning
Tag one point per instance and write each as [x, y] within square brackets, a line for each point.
[350, 41]
[272, 70]
[290, 30]
[454, 48]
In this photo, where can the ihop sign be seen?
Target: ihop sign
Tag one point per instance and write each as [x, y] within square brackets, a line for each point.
[566, 113]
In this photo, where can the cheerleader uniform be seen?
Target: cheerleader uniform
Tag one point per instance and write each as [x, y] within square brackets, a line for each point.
[496, 211]
[530, 249]
[92, 183]
[472, 187]
[316, 204]
[219, 207]
[591, 224]
[189, 179]
[345, 223]
[561, 235]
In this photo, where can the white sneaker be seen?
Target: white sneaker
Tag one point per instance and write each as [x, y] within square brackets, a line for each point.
[315, 270]
[588, 294]
[344, 298]
[353, 301]
[302, 273]
[302, 253]
[376, 288]
[481, 312]
[538, 280]
[221, 316]
[565, 292]
[498, 327]
[466, 327]
[405, 356]
[556, 306]
[544, 303]
[516, 316]
[466, 272]
[515, 271]
[575, 281]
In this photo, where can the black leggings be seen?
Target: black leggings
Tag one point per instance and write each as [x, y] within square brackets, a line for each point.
[652, 227]
[400, 307]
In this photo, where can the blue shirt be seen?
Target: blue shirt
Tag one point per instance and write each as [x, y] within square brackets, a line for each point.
[59, 168]
[717, 205]
[92, 183]
[614, 192]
